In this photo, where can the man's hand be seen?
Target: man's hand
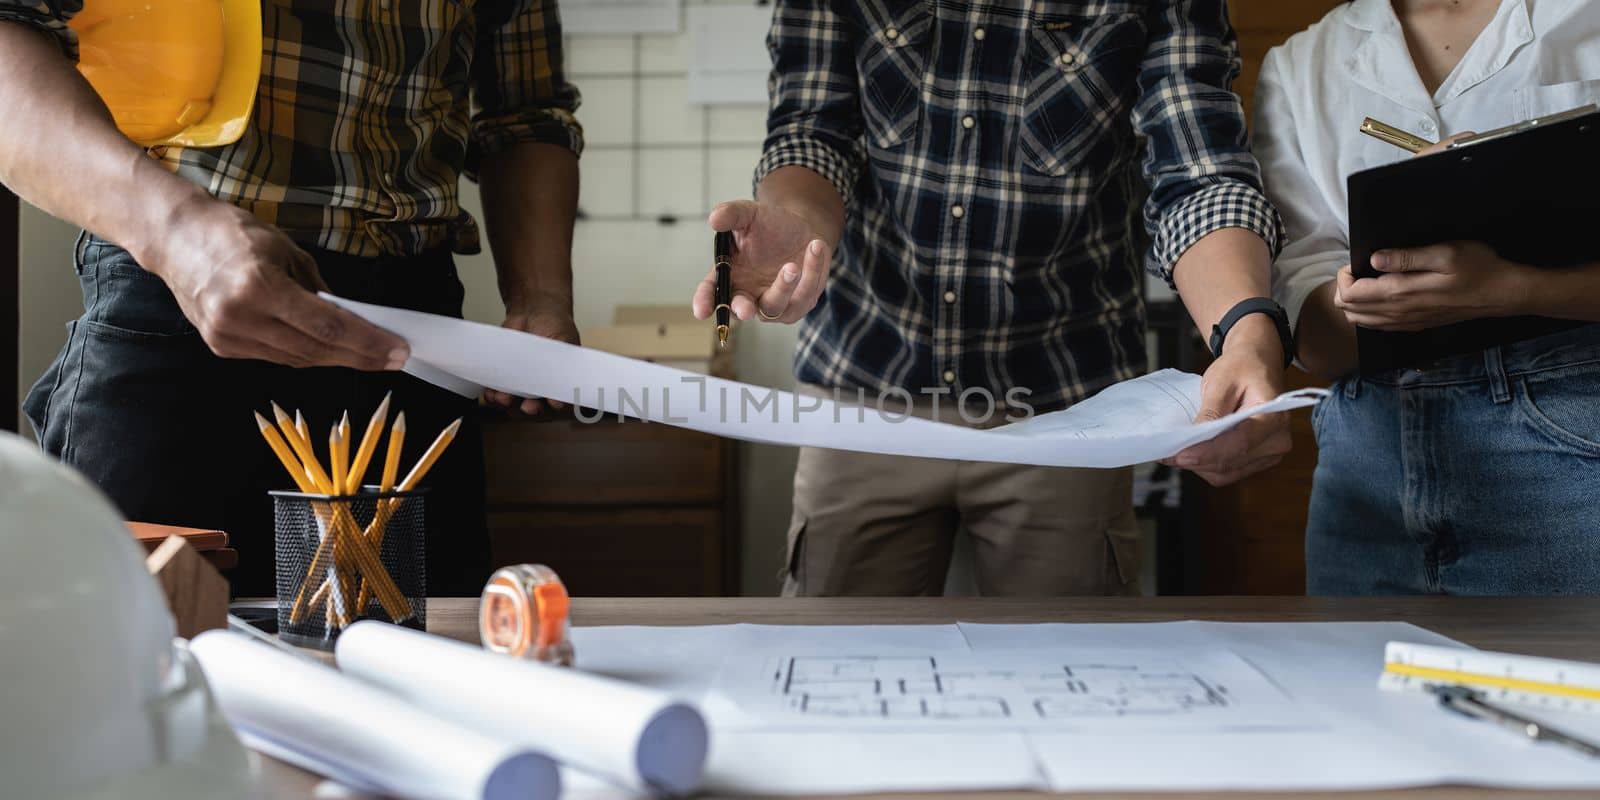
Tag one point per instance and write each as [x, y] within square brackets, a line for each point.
[1249, 373]
[552, 322]
[249, 291]
[780, 263]
[1426, 287]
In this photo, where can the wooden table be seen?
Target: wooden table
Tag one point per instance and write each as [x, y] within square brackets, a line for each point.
[1556, 627]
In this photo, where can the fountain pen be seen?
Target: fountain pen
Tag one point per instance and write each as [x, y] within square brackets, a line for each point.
[724, 292]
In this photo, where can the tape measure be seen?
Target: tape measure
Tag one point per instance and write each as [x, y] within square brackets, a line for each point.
[1542, 682]
[523, 613]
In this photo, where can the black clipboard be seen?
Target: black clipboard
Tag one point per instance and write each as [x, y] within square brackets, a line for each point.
[1531, 191]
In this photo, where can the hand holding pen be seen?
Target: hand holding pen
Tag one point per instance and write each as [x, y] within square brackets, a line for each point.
[778, 266]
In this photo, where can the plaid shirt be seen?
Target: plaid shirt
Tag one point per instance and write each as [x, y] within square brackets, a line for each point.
[364, 120]
[990, 159]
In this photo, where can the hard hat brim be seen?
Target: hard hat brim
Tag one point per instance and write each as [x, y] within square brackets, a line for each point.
[235, 97]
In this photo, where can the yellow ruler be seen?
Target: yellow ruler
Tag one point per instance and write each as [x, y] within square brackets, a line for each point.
[1529, 680]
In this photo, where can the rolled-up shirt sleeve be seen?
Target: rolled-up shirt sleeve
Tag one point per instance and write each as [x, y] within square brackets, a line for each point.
[520, 91]
[49, 16]
[1198, 165]
[815, 116]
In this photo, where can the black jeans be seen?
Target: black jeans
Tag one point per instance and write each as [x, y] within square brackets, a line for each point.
[139, 404]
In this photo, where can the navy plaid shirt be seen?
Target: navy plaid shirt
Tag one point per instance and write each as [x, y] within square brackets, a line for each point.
[993, 162]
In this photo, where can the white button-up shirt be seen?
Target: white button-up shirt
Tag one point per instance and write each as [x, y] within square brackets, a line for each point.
[1536, 57]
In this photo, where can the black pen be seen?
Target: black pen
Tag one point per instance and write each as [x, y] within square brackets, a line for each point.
[1470, 703]
[724, 295]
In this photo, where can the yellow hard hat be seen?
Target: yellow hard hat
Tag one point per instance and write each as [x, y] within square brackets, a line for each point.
[173, 72]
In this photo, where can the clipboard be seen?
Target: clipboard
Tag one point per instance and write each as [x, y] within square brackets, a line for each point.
[1531, 191]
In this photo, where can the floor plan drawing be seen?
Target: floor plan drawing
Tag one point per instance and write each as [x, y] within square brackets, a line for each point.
[1028, 689]
[901, 687]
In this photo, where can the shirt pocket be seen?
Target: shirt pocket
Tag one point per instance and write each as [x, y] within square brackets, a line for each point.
[1081, 73]
[891, 65]
[1542, 101]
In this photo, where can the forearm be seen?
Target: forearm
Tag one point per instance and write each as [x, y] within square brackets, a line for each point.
[1326, 339]
[530, 201]
[60, 150]
[1571, 293]
[1220, 270]
[807, 195]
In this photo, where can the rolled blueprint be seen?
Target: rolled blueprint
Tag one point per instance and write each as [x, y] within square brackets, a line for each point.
[311, 715]
[640, 738]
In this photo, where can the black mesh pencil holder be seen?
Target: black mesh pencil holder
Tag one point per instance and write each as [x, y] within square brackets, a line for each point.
[344, 559]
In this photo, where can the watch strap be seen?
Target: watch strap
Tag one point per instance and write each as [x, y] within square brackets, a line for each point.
[1255, 305]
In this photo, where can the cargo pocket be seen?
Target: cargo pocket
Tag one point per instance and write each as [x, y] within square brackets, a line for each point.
[1122, 558]
[1082, 75]
[793, 573]
[891, 65]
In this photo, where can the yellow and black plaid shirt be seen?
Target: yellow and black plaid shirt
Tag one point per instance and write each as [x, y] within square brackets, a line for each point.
[369, 111]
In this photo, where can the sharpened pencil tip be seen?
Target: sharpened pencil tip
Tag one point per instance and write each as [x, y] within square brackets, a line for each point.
[399, 423]
[261, 422]
[278, 412]
[454, 426]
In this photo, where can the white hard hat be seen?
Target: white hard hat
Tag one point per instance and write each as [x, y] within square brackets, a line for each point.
[100, 699]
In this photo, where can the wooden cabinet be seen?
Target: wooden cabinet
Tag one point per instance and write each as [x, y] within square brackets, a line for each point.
[618, 509]
[1264, 24]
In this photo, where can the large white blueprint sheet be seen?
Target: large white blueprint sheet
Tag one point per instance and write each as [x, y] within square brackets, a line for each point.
[1343, 733]
[1133, 422]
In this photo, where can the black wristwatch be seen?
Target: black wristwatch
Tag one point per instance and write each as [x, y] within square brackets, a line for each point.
[1255, 305]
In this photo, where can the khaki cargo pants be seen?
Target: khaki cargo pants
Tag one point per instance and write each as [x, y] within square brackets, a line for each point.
[877, 525]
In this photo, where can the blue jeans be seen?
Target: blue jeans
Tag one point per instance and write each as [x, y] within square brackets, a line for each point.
[1475, 475]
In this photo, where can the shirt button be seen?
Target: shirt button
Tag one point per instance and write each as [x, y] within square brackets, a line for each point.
[949, 376]
[950, 296]
[967, 122]
[1427, 126]
[1066, 59]
[977, 33]
[957, 211]
[891, 34]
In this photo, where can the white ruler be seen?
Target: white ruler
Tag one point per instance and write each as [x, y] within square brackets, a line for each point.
[1529, 680]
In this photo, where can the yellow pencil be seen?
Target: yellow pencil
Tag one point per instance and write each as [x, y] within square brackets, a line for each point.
[296, 434]
[391, 460]
[339, 464]
[338, 460]
[344, 450]
[380, 519]
[426, 463]
[304, 430]
[369, 443]
[285, 424]
[281, 449]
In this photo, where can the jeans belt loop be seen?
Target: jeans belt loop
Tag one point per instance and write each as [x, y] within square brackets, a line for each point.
[1352, 386]
[1495, 368]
